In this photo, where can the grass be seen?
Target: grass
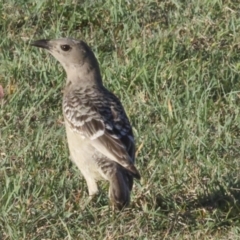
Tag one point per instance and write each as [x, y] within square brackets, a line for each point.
[175, 66]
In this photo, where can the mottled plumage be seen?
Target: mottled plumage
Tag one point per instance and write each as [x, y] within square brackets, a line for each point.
[99, 134]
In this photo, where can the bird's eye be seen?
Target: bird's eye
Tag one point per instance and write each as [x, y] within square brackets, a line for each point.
[65, 47]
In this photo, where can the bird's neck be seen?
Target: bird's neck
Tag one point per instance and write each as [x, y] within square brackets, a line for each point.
[84, 76]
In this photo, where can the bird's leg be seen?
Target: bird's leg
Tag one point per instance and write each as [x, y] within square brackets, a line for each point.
[92, 189]
[91, 182]
[92, 186]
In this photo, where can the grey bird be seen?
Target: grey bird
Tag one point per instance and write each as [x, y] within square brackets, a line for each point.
[99, 135]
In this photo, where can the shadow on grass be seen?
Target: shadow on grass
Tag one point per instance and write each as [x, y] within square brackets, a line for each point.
[217, 207]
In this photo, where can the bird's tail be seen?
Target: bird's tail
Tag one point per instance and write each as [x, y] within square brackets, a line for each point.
[120, 188]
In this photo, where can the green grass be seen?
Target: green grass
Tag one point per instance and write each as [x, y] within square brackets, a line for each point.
[175, 65]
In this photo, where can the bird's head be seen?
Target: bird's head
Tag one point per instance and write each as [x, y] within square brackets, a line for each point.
[75, 56]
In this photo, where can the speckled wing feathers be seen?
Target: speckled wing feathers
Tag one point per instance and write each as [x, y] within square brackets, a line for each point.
[99, 117]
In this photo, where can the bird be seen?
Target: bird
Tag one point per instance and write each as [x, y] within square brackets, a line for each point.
[99, 135]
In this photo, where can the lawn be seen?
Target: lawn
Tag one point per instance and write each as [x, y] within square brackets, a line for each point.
[175, 65]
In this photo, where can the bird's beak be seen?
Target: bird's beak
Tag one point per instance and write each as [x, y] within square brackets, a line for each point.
[43, 43]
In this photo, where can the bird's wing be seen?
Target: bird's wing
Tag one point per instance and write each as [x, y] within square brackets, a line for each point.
[107, 128]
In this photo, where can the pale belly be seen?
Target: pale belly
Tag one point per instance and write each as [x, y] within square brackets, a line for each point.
[83, 154]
